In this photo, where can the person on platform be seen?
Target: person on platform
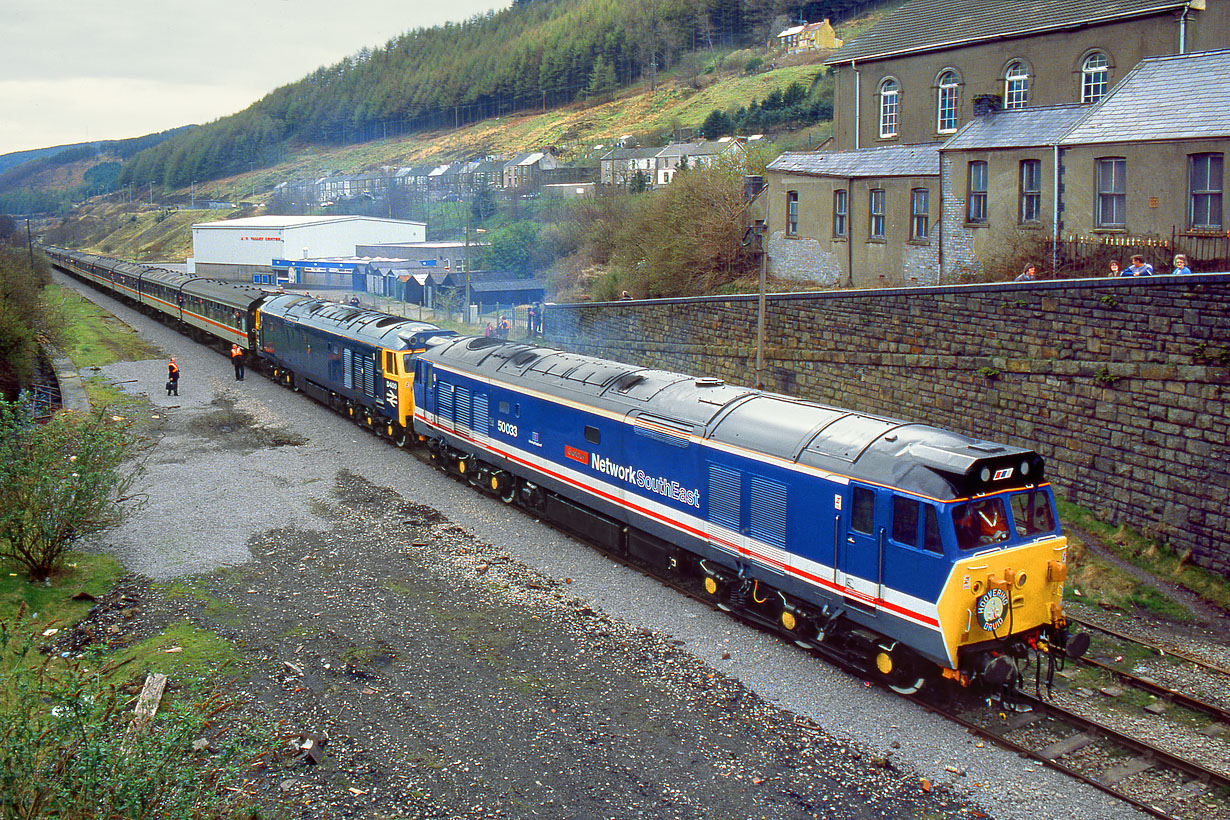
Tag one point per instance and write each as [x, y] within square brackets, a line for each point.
[172, 378]
[237, 361]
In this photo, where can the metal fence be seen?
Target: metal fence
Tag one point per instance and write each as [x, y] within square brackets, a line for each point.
[1082, 256]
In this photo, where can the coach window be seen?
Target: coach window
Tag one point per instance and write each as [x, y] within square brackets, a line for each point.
[862, 517]
[592, 435]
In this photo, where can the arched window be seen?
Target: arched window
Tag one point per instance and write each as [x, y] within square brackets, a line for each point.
[888, 108]
[1016, 86]
[948, 103]
[1095, 75]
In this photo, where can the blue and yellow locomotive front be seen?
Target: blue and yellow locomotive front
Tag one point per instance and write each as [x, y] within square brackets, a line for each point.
[846, 529]
[357, 361]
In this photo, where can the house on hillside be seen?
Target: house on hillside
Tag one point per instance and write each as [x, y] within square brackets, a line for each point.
[523, 172]
[915, 75]
[696, 155]
[619, 166]
[809, 37]
[864, 218]
[1004, 90]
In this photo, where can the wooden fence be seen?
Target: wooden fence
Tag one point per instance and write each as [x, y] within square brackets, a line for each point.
[1083, 256]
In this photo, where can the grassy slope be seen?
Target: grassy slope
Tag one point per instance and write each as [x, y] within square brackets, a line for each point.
[142, 232]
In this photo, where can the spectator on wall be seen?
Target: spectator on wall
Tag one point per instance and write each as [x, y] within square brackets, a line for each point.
[1139, 267]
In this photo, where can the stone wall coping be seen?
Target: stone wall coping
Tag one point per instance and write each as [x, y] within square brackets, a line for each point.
[1117, 282]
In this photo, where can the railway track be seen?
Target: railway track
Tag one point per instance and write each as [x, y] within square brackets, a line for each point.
[1133, 770]
[1049, 734]
[1160, 650]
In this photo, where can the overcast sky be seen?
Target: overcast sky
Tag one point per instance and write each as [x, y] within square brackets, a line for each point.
[78, 70]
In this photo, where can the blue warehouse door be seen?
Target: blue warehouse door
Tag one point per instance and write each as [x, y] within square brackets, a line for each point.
[861, 557]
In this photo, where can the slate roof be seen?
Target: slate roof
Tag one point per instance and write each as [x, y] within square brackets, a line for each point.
[886, 161]
[1182, 96]
[928, 25]
[1018, 128]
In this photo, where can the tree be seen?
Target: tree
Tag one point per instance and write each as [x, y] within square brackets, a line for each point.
[602, 81]
[639, 183]
[701, 251]
[59, 481]
[717, 124]
[511, 248]
[482, 206]
[22, 315]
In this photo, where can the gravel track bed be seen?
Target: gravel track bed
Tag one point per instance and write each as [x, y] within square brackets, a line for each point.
[663, 708]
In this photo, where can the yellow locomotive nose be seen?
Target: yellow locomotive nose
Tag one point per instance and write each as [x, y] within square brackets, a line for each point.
[992, 596]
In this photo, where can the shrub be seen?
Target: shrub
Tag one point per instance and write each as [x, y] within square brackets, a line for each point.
[61, 480]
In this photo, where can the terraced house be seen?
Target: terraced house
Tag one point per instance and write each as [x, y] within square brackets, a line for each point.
[1045, 118]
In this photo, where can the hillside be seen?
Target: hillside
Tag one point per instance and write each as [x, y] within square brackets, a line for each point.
[140, 231]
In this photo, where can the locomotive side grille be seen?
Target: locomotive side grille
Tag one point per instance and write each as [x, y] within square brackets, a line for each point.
[482, 423]
[348, 368]
[724, 497]
[767, 511]
[465, 413]
[369, 376]
[444, 400]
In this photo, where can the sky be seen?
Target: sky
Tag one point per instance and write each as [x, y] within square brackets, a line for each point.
[81, 70]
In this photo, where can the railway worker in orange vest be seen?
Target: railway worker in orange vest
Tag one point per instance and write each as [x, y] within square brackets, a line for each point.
[172, 377]
[237, 360]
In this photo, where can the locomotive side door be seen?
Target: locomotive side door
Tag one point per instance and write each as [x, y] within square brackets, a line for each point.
[861, 556]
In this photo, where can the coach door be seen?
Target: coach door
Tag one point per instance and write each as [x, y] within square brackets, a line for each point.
[861, 558]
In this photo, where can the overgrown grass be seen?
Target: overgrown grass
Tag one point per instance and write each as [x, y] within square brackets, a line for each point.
[1151, 556]
[182, 652]
[1094, 580]
[53, 603]
[95, 338]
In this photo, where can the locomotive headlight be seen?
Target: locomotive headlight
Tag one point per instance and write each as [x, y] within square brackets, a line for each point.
[1024, 468]
[1021, 577]
[985, 475]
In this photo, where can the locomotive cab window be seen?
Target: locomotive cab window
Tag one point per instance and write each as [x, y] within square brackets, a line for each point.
[1031, 513]
[980, 523]
[390, 362]
[862, 515]
[915, 524]
[592, 435]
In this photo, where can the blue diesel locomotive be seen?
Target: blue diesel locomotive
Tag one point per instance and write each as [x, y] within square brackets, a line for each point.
[906, 548]
[911, 551]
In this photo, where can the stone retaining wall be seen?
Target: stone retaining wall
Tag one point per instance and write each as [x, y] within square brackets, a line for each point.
[1122, 384]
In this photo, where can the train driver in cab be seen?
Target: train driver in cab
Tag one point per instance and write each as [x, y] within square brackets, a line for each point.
[981, 522]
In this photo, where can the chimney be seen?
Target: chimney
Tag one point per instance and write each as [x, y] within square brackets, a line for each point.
[987, 104]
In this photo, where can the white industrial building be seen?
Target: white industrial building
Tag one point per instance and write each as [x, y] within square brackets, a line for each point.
[244, 249]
